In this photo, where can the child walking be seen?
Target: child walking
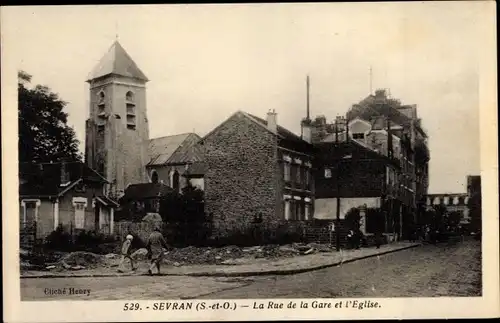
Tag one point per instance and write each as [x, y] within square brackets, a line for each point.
[126, 253]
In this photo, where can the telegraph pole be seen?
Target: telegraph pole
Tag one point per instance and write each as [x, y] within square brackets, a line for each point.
[337, 231]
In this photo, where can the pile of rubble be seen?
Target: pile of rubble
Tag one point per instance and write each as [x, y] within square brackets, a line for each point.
[232, 254]
[229, 255]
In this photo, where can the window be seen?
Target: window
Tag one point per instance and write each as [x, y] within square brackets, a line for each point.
[293, 213]
[175, 181]
[286, 169]
[299, 210]
[307, 178]
[328, 173]
[129, 96]
[287, 210]
[358, 136]
[298, 174]
[154, 177]
[30, 212]
[307, 211]
[79, 215]
[131, 123]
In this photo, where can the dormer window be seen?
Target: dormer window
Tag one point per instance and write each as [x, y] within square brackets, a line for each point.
[131, 117]
[359, 136]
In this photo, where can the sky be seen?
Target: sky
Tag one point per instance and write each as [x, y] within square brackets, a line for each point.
[205, 62]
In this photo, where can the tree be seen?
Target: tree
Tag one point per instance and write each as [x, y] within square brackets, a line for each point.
[185, 216]
[44, 135]
[353, 219]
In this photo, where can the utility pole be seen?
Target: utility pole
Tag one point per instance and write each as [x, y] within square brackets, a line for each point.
[371, 78]
[308, 85]
[337, 231]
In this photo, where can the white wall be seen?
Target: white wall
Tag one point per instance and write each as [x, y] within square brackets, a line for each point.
[326, 209]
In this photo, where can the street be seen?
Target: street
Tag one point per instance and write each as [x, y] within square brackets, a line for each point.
[427, 271]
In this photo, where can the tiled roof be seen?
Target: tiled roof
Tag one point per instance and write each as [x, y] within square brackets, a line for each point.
[44, 179]
[117, 61]
[174, 149]
[145, 191]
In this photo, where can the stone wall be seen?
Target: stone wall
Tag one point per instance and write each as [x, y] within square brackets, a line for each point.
[242, 178]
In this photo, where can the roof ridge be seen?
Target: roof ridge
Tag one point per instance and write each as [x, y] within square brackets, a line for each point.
[179, 134]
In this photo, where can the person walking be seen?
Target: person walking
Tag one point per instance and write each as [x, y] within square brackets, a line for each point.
[350, 239]
[126, 254]
[155, 245]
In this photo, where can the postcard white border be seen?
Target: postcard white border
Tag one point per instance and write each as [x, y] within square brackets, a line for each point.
[93, 311]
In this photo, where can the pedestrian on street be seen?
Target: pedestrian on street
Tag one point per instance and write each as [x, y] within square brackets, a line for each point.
[126, 254]
[155, 245]
[378, 239]
[350, 239]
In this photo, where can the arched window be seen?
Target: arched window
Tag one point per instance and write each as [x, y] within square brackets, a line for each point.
[131, 120]
[129, 96]
[175, 181]
[154, 177]
[101, 107]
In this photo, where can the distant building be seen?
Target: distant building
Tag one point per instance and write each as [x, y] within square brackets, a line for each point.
[408, 142]
[67, 194]
[257, 171]
[457, 202]
[475, 201]
[360, 176]
[141, 199]
[171, 158]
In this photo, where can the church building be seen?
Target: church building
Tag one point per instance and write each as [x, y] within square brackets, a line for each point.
[117, 141]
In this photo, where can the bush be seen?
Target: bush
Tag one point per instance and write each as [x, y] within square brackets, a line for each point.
[59, 240]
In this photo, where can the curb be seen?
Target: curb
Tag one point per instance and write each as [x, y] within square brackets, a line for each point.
[291, 271]
[282, 272]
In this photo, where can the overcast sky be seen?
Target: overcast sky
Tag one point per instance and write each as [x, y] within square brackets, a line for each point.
[207, 61]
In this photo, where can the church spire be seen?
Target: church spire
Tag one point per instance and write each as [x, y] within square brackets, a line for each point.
[118, 62]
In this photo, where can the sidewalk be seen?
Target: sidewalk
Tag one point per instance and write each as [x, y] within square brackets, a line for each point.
[252, 267]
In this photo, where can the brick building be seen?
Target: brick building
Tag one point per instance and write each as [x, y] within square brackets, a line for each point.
[257, 171]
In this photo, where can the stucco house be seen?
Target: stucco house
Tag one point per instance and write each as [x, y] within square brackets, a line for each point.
[69, 194]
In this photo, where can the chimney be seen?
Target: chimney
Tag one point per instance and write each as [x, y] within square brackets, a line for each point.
[272, 123]
[306, 130]
[64, 175]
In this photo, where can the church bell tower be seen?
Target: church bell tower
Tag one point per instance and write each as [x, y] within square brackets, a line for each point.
[117, 131]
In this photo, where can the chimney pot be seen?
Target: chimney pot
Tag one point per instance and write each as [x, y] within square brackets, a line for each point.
[272, 123]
